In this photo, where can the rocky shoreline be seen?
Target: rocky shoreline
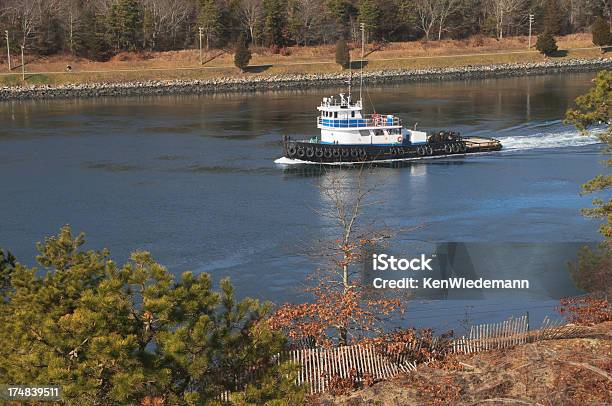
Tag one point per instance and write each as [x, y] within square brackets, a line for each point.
[295, 81]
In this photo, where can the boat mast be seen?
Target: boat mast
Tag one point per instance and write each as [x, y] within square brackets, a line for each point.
[362, 25]
[350, 81]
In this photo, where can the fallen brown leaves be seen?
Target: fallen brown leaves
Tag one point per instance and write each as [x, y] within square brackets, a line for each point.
[586, 310]
[562, 372]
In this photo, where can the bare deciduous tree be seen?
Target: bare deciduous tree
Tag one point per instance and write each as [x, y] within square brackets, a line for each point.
[427, 13]
[251, 14]
[504, 12]
[304, 15]
[446, 9]
[167, 17]
[342, 312]
[27, 15]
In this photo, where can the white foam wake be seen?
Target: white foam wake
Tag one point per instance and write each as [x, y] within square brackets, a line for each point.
[558, 139]
[289, 161]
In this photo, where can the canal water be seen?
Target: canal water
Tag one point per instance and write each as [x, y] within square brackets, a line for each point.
[193, 180]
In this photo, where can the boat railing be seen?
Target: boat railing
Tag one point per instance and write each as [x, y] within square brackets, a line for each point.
[370, 120]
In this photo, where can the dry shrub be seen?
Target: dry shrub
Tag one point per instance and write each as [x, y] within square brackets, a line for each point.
[342, 386]
[285, 51]
[132, 56]
[477, 41]
[577, 386]
[432, 44]
[153, 401]
[441, 392]
[339, 386]
[415, 345]
[586, 310]
[122, 57]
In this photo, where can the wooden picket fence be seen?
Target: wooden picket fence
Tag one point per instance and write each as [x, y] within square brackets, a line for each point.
[513, 332]
[318, 366]
[493, 336]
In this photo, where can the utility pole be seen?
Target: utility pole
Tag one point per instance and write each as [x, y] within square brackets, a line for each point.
[201, 30]
[8, 48]
[22, 64]
[362, 25]
[530, 22]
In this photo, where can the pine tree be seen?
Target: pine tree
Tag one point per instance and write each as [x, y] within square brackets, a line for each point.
[369, 14]
[242, 54]
[601, 33]
[49, 37]
[7, 264]
[592, 271]
[209, 18]
[546, 44]
[90, 39]
[117, 335]
[124, 25]
[343, 57]
[342, 11]
[275, 23]
[553, 22]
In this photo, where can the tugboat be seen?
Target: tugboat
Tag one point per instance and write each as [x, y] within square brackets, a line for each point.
[349, 136]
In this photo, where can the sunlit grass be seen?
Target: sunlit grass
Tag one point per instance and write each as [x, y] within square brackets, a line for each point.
[184, 65]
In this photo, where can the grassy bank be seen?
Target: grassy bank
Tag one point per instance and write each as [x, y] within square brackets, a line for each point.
[295, 60]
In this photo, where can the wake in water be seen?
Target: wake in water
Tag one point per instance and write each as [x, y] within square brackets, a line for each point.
[557, 137]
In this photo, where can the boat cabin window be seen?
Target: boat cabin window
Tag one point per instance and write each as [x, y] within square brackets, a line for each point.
[353, 113]
[379, 132]
[335, 114]
[364, 133]
[394, 131]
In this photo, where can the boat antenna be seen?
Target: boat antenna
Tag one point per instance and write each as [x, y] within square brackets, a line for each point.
[349, 82]
[362, 25]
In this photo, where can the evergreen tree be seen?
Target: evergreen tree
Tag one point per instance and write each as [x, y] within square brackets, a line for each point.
[343, 57]
[593, 109]
[592, 272]
[125, 25]
[90, 39]
[149, 37]
[48, 39]
[132, 334]
[553, 21]
[275, 23]
[546, 44]
[7, 264]
[601, 33]
[342, 12]
[209, 18]
[242, 54]
[369, 14]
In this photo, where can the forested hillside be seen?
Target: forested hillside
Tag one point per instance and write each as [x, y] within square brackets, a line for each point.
[98, 29]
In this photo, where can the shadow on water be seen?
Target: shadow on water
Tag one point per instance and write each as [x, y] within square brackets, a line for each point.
[310, 170]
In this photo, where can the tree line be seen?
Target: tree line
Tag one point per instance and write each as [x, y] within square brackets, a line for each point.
[98, 29]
